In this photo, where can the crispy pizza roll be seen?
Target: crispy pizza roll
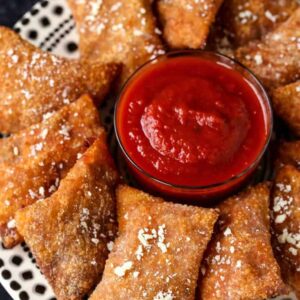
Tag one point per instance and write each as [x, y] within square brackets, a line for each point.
[286, 224]
[186, 23]
[117, 31]
[247, 20]
[159, 250]
[286, 102]
[70, 232]
[44, 152]
[239, 262]
[275, 59]
[35, 83]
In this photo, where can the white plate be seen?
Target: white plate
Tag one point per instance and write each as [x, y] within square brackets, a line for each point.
[49, 25]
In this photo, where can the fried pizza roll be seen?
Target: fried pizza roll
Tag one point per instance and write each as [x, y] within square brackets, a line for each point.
[117, 31]
[247, 20]
[286, 102]
[289, 154]
[159, 250]
[286, 224]
[70, 232]
[275, 59]
[35, 83]
[239, 263]
[44, 152]
[186, 23]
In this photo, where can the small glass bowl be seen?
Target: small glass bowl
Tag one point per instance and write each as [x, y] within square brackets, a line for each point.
[205, 194]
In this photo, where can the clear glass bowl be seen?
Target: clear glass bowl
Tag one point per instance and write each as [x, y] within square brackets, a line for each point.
[208, 192]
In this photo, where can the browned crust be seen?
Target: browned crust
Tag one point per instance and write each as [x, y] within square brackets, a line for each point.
[239, 263]
[45, 153]
[117, 31]
[69, 233]
[184, 232]
[286, 224]
[34, 83]
[289, 154]
[248, 20]
[186, 23]
[275, 59]
[286, 101]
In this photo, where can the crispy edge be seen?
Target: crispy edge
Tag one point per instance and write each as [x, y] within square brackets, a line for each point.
[229, 206]
[10, 236]
[129, 199]
[286, 101]
[287, 187]
[94, 78]
[183, 28]
[29, 217]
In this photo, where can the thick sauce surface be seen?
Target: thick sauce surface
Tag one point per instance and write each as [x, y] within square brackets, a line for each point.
[190, 121]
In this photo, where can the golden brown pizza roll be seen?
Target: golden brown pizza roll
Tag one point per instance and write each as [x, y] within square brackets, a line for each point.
[286, 102]
[44, 153]
[159, 250]
[70, 232]
[35, 83]
[240, 263]
[247, 20]
[275, 59]
[117, 31]
[186, 23]
[286, 224]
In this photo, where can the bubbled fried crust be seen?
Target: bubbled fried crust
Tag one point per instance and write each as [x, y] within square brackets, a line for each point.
[117, 31]
[68, 233]
[247, 20]
[34, 83]
[275, 59]
[163, 241]
[286, 224]
[186, 23]
[286, 101]
[45, 153]
[239, 262]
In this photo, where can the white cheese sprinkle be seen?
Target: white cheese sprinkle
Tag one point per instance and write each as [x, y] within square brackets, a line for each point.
[121, 270]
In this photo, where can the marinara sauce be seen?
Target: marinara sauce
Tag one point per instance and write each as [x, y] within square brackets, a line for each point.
[191, 121]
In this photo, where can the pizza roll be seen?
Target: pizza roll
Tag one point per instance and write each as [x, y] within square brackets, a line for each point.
[286, 102]
[275, 59]
[286, 224]
[35, 83]
[44, 152]
[159, 250]
[117, 31]
[186, 23]
[70, 233]
[247, 20]
[239, 263]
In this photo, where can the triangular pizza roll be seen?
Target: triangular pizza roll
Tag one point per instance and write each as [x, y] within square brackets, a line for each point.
[239, 262]
[186, 23]
[286, 224]
[35, 83]
[248, 20]
[42, 155]
[117, 31]
[275, 59]
[70, 233]
[159, 250]
[286, 102]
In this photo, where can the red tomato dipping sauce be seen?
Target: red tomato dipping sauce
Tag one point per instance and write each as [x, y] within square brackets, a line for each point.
[190, 123]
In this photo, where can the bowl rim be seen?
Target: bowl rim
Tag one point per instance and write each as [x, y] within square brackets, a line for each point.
[266, 104]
